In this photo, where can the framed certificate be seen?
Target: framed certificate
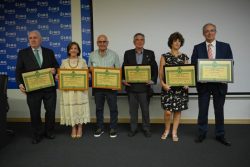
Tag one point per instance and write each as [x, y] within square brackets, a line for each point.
[73, 79]
[39, 79]
[137, 74]
[216, 70]
[181, 75]
[108, 78]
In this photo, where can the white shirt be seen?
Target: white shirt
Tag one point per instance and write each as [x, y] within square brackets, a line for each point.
[213, 47]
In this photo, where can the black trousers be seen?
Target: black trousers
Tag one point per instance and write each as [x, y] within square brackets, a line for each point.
[3, 136]
[34, 100]
[112, 103]
[4, 107]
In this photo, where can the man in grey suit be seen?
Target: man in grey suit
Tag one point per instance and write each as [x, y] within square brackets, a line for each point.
[138, 93]
[35, 58]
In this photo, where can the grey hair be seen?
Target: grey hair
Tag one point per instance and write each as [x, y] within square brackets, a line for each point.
[35, 31]
[139, 34]
[208, 24]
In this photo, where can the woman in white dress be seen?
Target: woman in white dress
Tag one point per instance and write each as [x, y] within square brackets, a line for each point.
[74, 105]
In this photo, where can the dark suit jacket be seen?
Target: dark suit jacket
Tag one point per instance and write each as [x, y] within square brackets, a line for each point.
[3, 93]
[223, 51]
[26, 62]
[148, 59]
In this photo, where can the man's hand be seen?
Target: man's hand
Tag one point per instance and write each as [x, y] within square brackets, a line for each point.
[53, 71]
[125, 83]
[22, 88]
[150, 82]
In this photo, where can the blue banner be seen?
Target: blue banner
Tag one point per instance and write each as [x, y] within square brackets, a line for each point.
[87, 29]
[18, 17]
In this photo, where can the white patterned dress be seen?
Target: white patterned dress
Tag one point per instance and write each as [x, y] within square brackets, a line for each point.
[74, 105]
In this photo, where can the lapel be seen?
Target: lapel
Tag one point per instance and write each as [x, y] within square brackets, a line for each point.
[145, 57]
[204, 50]
[218, 50]
[43, 57]
[32, 57]
[134, 57]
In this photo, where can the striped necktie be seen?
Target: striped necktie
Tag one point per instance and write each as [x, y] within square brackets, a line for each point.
[37, 57]
[209, 51]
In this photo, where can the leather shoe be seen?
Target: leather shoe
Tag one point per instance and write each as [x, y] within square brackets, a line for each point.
[147, 133]
[200, 139]
[49, 135]
[36, 140]
[132, 133]
[223, 140]
[10, 132]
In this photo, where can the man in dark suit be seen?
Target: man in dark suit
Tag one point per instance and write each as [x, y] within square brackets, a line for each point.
[211, 49]
[34, 58]
[138, 93]
[4, 107]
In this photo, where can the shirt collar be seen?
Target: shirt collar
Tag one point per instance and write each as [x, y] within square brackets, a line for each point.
[106, 52]
[39, 49]
[140, 52]
[213, 43]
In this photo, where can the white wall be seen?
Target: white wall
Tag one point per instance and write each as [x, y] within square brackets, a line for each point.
[157, 19]
[120, 20]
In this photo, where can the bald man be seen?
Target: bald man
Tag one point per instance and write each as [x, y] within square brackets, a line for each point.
[35, 58]
[104, 57]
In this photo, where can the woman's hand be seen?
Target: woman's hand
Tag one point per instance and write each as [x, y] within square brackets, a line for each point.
[57, 77]
[166, 87]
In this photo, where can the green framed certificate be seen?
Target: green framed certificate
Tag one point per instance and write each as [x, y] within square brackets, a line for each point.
[137, 74]
[216, 70]
[73, 79]
[39, 79]
[182, 75]
[108, 78]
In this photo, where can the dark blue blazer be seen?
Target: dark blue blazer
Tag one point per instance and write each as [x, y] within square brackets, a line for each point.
[223, 51]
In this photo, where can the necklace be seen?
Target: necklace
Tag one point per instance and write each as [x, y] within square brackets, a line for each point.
[175, 54]
[71, 65]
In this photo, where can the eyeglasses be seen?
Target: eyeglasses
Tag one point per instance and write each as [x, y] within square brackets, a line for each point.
[104, 42]
[207, 31]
